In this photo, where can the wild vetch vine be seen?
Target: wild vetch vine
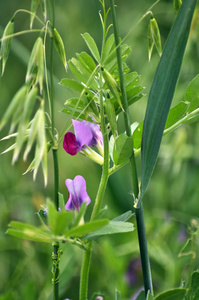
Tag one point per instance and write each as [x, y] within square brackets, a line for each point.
[106, 88]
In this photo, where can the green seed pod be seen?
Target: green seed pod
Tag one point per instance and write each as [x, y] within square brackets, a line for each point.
[112, 85]
[59, 46]
[6, 43]
[110, 111]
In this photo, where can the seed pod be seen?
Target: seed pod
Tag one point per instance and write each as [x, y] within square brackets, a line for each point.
[112, 85]
[59, 46]
[110, 111]
[6, 43]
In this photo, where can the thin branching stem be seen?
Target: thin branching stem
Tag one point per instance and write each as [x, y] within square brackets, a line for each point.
[100, 195]
[139, 211]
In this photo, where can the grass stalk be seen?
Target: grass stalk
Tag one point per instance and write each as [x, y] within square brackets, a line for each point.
[139, 211]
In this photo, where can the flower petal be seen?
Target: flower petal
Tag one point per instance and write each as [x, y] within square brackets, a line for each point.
[77, 193]
[83, 133]
[97, 134]
[70, 144]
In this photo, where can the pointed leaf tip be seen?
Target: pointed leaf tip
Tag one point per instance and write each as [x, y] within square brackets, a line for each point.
[162, 90]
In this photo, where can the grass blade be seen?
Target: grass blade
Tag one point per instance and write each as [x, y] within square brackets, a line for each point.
[162, 90]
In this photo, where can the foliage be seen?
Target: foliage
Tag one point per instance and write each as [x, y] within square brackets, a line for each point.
[96, 95]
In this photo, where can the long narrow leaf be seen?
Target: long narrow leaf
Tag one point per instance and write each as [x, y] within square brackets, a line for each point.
[162, 90]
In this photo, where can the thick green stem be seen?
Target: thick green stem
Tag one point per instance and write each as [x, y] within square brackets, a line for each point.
[139, 212]
[100, 194]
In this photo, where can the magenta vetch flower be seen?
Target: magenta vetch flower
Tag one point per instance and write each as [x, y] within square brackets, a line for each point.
[77, 193]
[86, 134]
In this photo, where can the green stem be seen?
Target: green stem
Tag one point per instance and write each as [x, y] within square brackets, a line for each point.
[139, 212]
[55, 163]
[100, 194]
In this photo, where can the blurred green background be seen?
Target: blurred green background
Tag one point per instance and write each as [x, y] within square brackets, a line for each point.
[172, 199]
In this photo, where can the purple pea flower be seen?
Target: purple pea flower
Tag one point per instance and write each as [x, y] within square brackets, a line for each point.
[86, 134]
[77, 193]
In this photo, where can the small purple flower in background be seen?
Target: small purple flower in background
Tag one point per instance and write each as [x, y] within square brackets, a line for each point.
[134, 271]
[182, 234]
[77, 193]
[86, 134]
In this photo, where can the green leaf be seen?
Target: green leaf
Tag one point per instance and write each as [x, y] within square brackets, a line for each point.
[16, 102]
[192, 94]
[87, 61]
[174, 294]
[92, 46]
[82, 74]
[123, 149]
[73, 84]
[124, 217]
[162, 91]
[194, 285]
[109, 46]
[176, 113]
[6, 43]
[33, 9]
[29, 232]
[59, 46]
[88, 227]
[80, 214]
[59, 222]
[131, 80]
[142, 296]
[76, 114]
[112, 228]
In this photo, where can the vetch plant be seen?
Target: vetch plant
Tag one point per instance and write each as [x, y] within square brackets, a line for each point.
[106, 88]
